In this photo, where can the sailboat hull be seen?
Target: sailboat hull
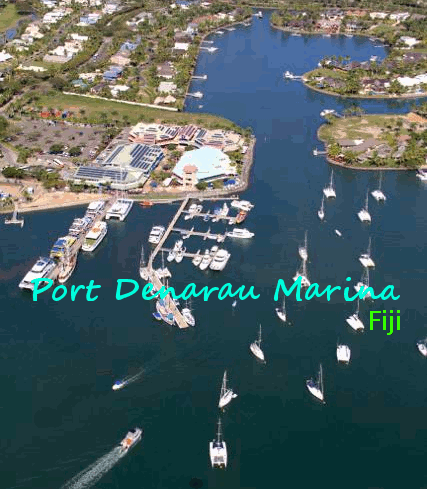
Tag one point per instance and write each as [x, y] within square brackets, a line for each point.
[226, 398]
[256, 350]
[315, 391]
[281, 315]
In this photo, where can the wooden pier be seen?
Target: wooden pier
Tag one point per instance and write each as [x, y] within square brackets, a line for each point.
[205, 235]
[154, 279]
[230, 219]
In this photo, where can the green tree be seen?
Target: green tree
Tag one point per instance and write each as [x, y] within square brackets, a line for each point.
[56, 148]
[201, 186]
[75, 151]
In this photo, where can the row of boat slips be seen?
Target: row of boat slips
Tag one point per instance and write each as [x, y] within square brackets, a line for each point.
[86, 232]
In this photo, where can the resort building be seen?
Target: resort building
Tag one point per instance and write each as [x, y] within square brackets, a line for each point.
[203, 165]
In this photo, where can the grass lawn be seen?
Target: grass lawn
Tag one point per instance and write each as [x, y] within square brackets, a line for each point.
[365, 127]
[93, 108]
[8, 17]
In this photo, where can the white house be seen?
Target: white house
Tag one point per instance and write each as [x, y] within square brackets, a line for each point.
[5, 56]
[167, 87]
[409, 41]
[378, 15]
[181, 46]
[408, 82]
[400, 16]
[116, 89]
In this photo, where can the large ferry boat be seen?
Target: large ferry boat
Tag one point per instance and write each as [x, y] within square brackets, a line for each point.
[41, 269]
[67, 267]
[79, 226]
[120, 209]
[94, 209]
[62, 246]
[95, 236]
[131, 439]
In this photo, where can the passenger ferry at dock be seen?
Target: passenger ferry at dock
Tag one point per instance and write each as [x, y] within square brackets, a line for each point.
[41, 269]
[80, 226]
[62, 246]
[120, 209]
[131, 439]
[95, 236]
[95, 209]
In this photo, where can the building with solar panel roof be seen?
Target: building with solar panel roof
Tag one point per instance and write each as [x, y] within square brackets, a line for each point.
[128, 166]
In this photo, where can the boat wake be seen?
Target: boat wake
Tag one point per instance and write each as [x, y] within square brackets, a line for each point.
[133, 378]
[91, 475]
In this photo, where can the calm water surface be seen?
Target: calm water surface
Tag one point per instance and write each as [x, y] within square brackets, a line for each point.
[59, 359]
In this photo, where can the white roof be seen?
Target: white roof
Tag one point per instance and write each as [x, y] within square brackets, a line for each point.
[407, 81]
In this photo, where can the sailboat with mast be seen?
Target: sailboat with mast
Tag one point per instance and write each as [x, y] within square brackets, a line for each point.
[302, 272]
[365, 258]
[281, 312]
[315, 387]
[329, 190]
[363, 214]
[143, 272]
[218, 450]
[226, 394]
[256, 347]
[188, 316]
[303, 250]
[354, 320]
[321, 211]
[14, 219]
[364, 284]
[378, 194]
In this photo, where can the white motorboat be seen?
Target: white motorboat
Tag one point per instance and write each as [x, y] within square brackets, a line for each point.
[329, 191]
[343, 353]
[218, 450]
[378, 194]
[199, 209]
[131, 439]
[213, 251]
[189, 318]
[143, 271]
[120, 209]
[363, 214]
[220, 238]
[321, 211]
[224, 210]
[354, 320]
[422, 175]
[180, 255]
[327, 112]
[303, 250]
[156, 234]
[338, 233]
[316, 387]
[95, 236]
[226, 394]
[281, 312]
[197, 259]
[94, 209]
[171, 256]
[220, 260]
[119, 384]
[365, 258]
[255, 347]
[243, 205]
[364, 285]
[234, 304]
[41, 269]
[302, 272]
[240, 233]
[206, 260]
[422, 348]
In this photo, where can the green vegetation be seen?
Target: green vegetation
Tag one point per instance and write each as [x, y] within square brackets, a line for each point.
[8, 17]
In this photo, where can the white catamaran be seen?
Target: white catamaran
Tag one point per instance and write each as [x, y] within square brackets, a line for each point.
[365, 258]
[354, 320]
[343, 353]
[281, 312]
[378, 194]
[329, 191]
[316, 387]
[256, 347]
[218, 450]
[226, 394]
[363, 214]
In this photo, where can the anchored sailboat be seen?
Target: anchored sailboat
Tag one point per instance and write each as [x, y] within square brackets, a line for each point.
[364, 284]
[226, 394]
[343, 353]
[256, 347]
[303, 250]
[329, 191]
[218, 450]
[143, 272]
[302, 272]
[316, 387]
[354, 320]
[321, 211]
[363, 214]
[378, 194]
[281, 312]
[365, 259]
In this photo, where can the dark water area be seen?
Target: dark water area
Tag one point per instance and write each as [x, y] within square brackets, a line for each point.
[60, 359]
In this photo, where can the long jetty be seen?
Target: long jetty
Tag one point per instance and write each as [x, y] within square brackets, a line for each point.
[154, 279]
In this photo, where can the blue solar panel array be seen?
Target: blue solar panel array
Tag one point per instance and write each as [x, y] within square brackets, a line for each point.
[118, 150]
[146, 158]
[96, 174]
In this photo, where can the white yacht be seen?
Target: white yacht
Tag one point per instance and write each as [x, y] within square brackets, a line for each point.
[378, 194]
[329, 191]
[316, 387]
[197, 259]
[218, 450]
[226, 394]
[119, 384]
[364, 284]
[95, 236]
[422, 175]
[303, 250]
[422, 348]
[220, 260]
[41, 269]
[94, 209]
[321, 211]
[120, 209]
[365, 258]
[188, 316]
[255, 347]
[240, 233]
[156, 234]
[338, 233]
[143, 272]
[171, 256]
[224, 210]
[131, 439]
[343, 353]
[180, 255]
[302, 272]
[243, 205]
[206, 260]
[363, 214]
[213, 251]
[281, 313]
[354, 320]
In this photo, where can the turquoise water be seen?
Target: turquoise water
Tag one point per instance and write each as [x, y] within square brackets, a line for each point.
[60, 359]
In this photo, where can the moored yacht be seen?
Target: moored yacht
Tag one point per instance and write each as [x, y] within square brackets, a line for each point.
[94, 209]
[220, 260]
[79, 226]
[343, 353]
[226, 394]
[378, 194]
[363, 214]
[302, 272]
[218, 450]
[156, 234]
[131, 439]
[241, 216]
[120, 209]
[95, 236]
[365, 258]
[197, 259]
[354, 320]
[303, 250]
[240, 233]
[329, 191]
[364, 285]
[62, 246]
[41, 269]
[188, 316]
[422, 175]
[255, 347]
[422, 348]
[243, 205]
[206, 260]
[66, 268]
[316, 387]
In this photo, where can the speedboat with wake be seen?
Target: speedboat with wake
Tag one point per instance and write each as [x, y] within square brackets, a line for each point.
[131, 439]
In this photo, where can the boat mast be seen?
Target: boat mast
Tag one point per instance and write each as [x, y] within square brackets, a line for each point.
[381, 181]
[367, 200]
[369, 248]
[284, 305]
[259, 339]
[358, 307]
[219, 431]
[305, 242]
[321, 378]
[322, 208]
[332, 179]
[224, 383]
